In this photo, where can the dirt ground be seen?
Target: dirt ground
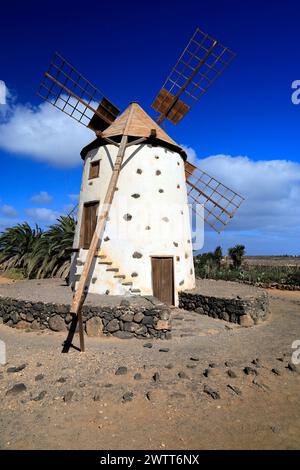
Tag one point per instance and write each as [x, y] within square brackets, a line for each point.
[5, 280]
[273, 260]
[191, 392]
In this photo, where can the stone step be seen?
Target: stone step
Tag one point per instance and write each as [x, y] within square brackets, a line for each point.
[109, 263]
[113, 270]
[100, 254]
[120, 276]
[135, 291]
[127, 283]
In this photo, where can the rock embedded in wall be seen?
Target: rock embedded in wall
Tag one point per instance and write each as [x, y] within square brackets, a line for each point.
[57, 323]
[94, 327]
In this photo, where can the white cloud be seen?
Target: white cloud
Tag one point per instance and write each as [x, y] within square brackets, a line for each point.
[191, 154]
[43, 133]
[8, 211]
[74, 197]
[271, 210]
[42, 198]
[5, 223]
[42, 214]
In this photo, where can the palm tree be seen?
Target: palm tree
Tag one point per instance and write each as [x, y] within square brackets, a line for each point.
[236, 253]
[51, 254]
[218, 256]
[17, 244]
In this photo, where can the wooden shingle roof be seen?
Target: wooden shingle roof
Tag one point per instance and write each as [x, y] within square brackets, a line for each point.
[135, 122]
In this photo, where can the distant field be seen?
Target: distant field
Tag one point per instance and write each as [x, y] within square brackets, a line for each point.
[273, 260]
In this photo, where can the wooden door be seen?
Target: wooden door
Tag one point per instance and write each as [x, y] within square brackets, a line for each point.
[88, 224]
[163, 279]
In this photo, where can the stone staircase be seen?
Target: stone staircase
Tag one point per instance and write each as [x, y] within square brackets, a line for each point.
[126, 284]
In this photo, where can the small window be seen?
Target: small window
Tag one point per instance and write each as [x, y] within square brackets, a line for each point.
[94, 169]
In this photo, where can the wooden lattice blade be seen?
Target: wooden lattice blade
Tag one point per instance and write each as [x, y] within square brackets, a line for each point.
[66, 89]
[220, 202]
[202, 61]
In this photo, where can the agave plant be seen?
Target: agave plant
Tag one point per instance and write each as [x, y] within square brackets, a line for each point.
[17, 244]
[51, 254]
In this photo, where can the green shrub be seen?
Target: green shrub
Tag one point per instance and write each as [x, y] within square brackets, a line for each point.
[248, 273]
[37, 254]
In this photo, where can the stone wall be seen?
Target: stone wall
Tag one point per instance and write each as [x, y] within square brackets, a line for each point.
[246, 312]
[123, 321]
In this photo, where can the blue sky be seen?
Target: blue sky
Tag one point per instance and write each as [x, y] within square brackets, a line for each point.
[245, 130]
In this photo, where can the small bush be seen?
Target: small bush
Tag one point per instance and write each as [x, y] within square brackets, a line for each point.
[248, 273]
[15, 273]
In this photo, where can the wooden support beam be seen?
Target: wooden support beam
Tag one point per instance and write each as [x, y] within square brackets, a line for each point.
[110, 141]
[80, 293]
[137, 141]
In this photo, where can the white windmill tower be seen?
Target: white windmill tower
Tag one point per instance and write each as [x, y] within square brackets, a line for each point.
[146, 247]
[133, 234]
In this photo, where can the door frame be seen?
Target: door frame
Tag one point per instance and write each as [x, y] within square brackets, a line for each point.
[173, 274]
[82, 221]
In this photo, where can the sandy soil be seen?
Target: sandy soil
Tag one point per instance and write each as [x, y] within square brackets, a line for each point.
[259, 411]
[57, 291]
[285, 294]
[5, 280]
[225, 289]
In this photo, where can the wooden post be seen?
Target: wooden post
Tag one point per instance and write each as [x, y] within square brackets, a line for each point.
[79, 295]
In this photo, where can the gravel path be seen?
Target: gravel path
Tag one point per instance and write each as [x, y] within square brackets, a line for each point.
[57, 291]
[172, 394]
[225, 289]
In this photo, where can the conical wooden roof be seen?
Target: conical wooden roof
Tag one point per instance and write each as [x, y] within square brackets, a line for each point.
[135, 122]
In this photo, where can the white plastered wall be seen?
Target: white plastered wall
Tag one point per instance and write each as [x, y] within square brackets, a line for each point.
[149, 217]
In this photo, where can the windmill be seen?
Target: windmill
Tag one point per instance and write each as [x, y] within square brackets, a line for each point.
[133, 159]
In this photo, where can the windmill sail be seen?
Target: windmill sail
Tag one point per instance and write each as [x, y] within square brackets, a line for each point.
[201, 62]
[220, 202]
[66, 89]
